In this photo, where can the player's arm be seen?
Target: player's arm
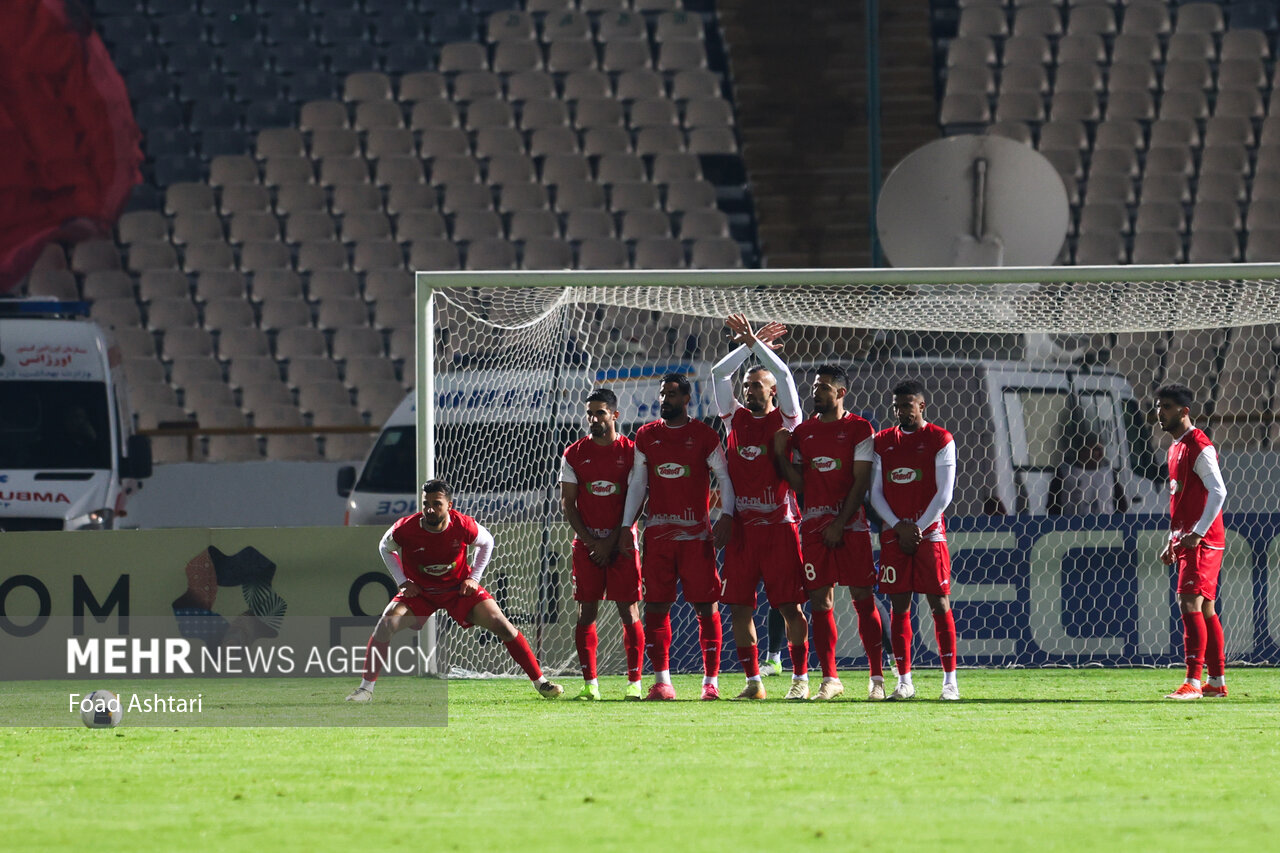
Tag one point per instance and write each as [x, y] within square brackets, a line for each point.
[785, 463]
[833, 533]
[483, 544]
[388, 549]
[944, 467]
[722, 381]
[788, 395]
[722, 531]
[637, 488]
[907, 532]
[1206, 468]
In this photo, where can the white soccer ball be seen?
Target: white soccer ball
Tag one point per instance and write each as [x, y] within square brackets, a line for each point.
[101, 709]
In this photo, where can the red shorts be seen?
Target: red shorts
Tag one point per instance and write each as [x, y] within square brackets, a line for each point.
[618, 581]
[928, 570]
[1198, 570]
[849, 565]
[691, 561]
[768, 552]
[425, 603]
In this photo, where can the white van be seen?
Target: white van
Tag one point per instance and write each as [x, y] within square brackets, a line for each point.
[68, 455]
[499, 437]
[1014, 425]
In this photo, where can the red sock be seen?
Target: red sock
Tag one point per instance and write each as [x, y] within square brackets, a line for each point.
[375, 655]
[870, 630]
[824, 641]
[1194, 637]
[587, 640]
[799, 658]
[633, 642]
[1215, 651]
[657, 630]
[900, 630]
[750, 658]
[944, 628]
[710, 637]
[523, 655]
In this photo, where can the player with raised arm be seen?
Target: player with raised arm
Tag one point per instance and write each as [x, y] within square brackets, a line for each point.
[911, 486]
[674, 459]
[433, 573]
[765, 544]
[1197, 540]
[593, 487]
[833, 449]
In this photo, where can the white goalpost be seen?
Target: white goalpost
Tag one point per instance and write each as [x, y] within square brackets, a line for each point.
[1037, 371]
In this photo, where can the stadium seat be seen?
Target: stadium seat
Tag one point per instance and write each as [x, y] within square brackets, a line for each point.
[192, 342]
[219, 284]
[602, 253]
[659, 253]
[242, 342]
[546, 253]
[105, 284]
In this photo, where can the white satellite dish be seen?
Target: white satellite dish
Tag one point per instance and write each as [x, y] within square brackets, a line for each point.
[978, 201]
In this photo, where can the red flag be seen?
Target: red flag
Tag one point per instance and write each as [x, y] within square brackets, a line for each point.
[69, 146]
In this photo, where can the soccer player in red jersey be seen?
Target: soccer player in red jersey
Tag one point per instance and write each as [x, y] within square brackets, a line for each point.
[674, 460]
[1196, 541]
[912, 484]
[833, 448]
[765, 544]
[432, 571]
[593, 490]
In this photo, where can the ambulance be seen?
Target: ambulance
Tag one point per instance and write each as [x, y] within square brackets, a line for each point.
[68, 456]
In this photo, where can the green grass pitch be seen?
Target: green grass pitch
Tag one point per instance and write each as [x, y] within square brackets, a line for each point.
[1030, 760]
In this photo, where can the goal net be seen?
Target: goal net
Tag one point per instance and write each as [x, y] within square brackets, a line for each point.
[1044, 376]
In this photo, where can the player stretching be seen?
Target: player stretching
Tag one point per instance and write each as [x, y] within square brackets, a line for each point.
[1196, 541]
[433, 574]
[913, 482]
[765, 544]
[593, 485]
[833, 448]
[674, 460]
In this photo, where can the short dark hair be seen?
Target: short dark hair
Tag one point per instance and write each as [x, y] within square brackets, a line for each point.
[834, 371]
[604, 395]
[438, 485]
[1179, 394]
[680, 380]
[909, 388]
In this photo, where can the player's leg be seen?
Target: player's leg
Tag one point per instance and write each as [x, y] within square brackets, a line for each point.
[1195, 639]
[696, 567]
[657, 633]
[931, 573]
[944, 628]
[825, 634]
[584, 636]
[870, 631]
[396, 617]
[623, 587]
[900, 617]
[1215, 654]
[659, 592]
[633, 645]
[738, 591]
[488, 615]
[775, 639]
[797, 633]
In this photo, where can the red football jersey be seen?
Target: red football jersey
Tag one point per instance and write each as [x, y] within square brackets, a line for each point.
[760, 495]
[908, 472]
[827, 451]
[679, 478]
[437, 562]
[601, 474]
[1187, 493]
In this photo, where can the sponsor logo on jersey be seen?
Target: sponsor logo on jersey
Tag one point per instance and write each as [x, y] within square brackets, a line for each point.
[438, 568]
[825, 464]
[751, 451]
[672, 470]
[601, 488]
[902, 476]
[1174, 486]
